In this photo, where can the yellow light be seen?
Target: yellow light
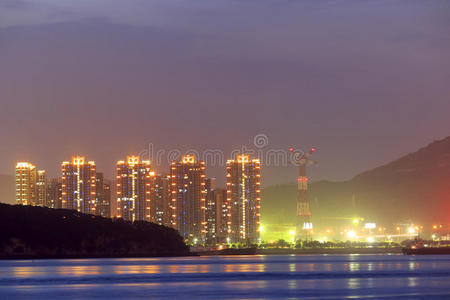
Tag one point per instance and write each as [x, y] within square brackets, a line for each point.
[243, 158]
[188, 159]
[133, 160]
[292, 232]
[25, 165]
[411, 230]
[355, 221]
[78, 160]
[370, 240]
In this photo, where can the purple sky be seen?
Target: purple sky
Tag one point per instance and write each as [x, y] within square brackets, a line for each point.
[363, 81]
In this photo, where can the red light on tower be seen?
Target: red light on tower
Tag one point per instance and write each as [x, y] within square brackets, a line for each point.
[313, 149]
[291, 149]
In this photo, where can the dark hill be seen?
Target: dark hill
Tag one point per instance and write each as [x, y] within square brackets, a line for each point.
[38, 232]
[416, 187]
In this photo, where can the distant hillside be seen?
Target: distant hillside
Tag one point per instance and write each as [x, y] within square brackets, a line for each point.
[7, 189]
[34, 232]
[416, 187]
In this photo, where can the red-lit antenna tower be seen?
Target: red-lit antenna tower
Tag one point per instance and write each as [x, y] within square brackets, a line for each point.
[304, 224]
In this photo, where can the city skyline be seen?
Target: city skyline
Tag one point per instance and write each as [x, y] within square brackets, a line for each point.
[347, 206]
[214, 216]
[183, 199]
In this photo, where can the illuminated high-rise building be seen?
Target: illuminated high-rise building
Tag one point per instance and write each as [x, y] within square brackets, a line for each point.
[216, 213]
[222, 215]
[79, 190]
[26, 184]
[41, 188]
[106, 209]
[210, 211]
[160, 200]
[103, 196]
[243, 197]
[187, 184]
[54, 193]
[134, 179]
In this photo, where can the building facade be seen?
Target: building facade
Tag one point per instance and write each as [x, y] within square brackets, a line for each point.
[243, 197]
[41, 188]
[103, 196]
[106, 208]
[223, 216]
[160, 200]
[217, 215]
[79, 192]
[187, 184]
[54, 193]
[134, 179]
[211, 211]
[26, 184]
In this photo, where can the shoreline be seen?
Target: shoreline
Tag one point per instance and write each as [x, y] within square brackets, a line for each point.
[281, 251]
[394, 250]
[32, 257]
[248, 251]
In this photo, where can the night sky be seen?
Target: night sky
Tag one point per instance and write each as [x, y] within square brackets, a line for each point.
[363, 81]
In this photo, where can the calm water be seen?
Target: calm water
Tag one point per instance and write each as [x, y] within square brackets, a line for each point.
[305, 276]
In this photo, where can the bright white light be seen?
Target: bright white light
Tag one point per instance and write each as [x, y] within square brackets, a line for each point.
[411, 230]
[370, 226]
[370, 239]
[308, 225]
[292, 232]
[351, 234]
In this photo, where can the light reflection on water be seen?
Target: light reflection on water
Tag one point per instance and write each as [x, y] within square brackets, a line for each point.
[313, 276]
[144, 269]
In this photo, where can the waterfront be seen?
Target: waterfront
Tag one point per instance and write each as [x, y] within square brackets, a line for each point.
[277, 276]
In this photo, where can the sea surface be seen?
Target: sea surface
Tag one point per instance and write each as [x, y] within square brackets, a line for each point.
[230, 277]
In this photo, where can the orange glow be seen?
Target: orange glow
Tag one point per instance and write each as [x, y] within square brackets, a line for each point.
[188, 159]
[243, 158]
[133, 160]
[78, 160]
